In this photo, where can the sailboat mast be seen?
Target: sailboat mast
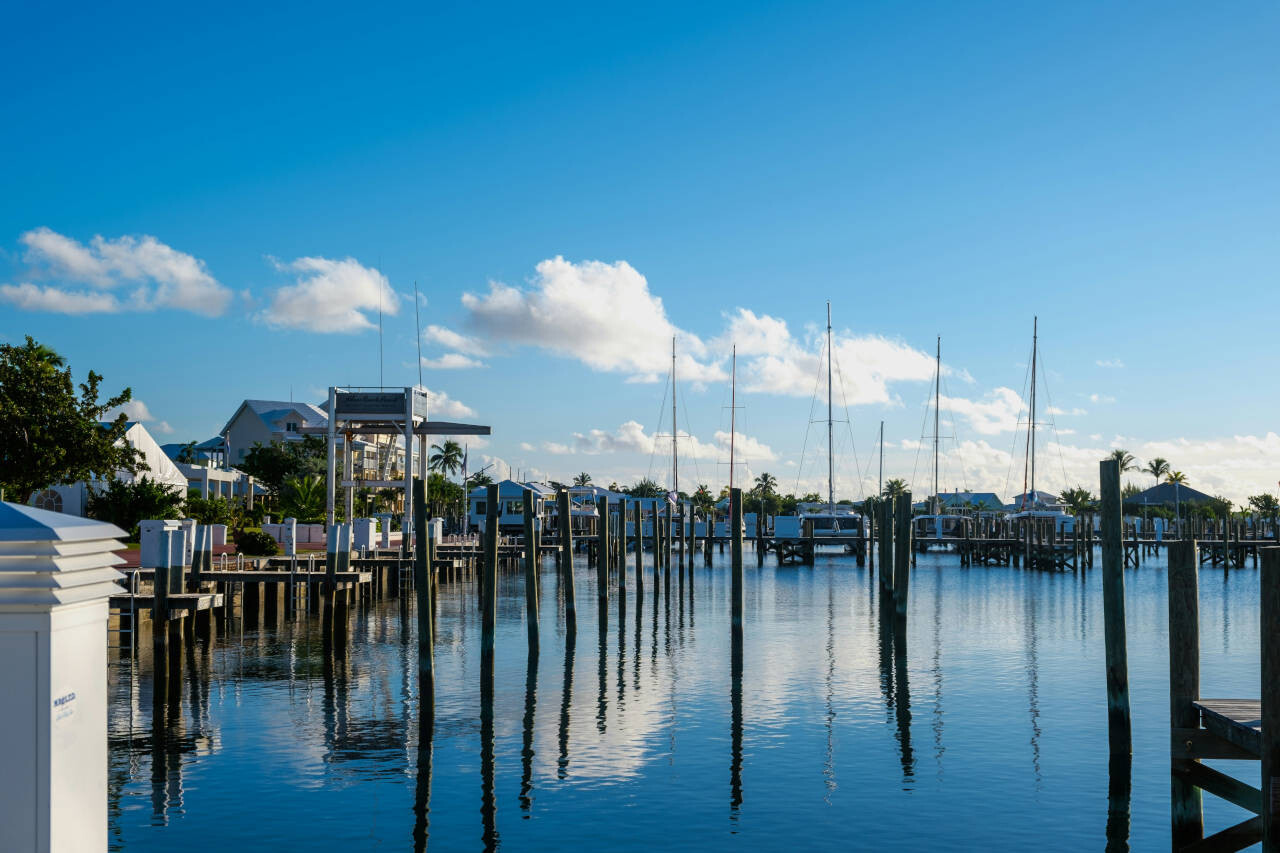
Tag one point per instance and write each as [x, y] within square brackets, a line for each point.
[1035, 345]
[880, 489]
[937, 406]
[733, 414]
[831, 471]
[675, 461]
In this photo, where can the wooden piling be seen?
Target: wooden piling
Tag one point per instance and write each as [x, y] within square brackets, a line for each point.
[1186, 809]
[735, 535]
[1269, 582]
[422, 585]
[638, 521]
[901, 552]
[489, 573]
[886, 544]
[566, 564]
[602, 550]
[1119, 732]
[622, 553]
[530, 570]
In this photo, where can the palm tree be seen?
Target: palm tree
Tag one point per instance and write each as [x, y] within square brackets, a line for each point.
[303, 498]
[1078, 500]
[703, 499]
[1176, 478]
[893, 488]
[1125, 458]
[765, 484]
[646, 488]
[1157, 468]
[583, 479]
[446, 458]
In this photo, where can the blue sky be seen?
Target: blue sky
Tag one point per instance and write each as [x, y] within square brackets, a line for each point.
[929, 168]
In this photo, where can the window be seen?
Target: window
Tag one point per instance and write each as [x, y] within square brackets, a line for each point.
[480, 509]
[50, 500]
[291, 426]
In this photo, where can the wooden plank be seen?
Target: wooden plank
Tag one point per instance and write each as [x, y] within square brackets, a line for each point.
[1269, 710]
[1221, 785]
[1186, 744]
[1186, 808]
[1244, 834]
[1236, 720]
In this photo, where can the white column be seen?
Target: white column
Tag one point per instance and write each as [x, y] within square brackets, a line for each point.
[55, 578]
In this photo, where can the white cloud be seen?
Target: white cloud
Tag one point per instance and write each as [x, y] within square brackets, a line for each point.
[1054, 410]
[452, 361]
[1101, 398]
[996, 412]
[150, 274]
[454, 340]
[1109, 362]
[601, 314]
[631, 437]
[136, 410]
[773, 361]
[330, 296]
[441, 405]
[30, 297]
[526, 446]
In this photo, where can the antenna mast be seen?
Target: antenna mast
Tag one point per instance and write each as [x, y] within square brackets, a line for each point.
[937, 405]
[880, 492]
[831, 494]
[675, 463]
[1035, 344]
[733, 414]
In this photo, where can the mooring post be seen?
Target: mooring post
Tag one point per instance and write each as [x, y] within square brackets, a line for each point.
[709, 540]
[602, 550]
[489, 606]
[637, 521]
[902, 552]
[622, 553]
[1184, 685]
[1118, 724]
[886, 544]
[735, 536]
[566, 564]
[657, 578]
[1269, 575]
[531, 569]
[422, 571]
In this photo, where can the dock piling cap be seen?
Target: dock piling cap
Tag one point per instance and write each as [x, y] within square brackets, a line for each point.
[49, 558]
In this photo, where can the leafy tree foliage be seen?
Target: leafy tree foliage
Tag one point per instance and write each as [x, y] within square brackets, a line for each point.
[646, 488]
[303, 498]
[186, 454]
[272, 464]
[1157, 467]
[48, 433]
[1079, 500]
[446, 458]
[583, 479]
[125, 504]
[215, 510]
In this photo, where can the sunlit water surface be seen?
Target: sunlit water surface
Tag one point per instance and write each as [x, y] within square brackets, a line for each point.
[983, 726]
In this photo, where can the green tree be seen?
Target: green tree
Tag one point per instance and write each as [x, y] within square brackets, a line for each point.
[272, 464]
[215, 510]
[481, 479]
[765, 484]
[1078, 500]
[446, 458]
[186, 454]
[1176, 478]
[646, 488]
[303, 498]
[48, 434]
[1126, 460]
[894, 487]
[124, 504]
[703, 499]
[583, 479]
[1157, 468]
[1266, 505]
[1129, 490]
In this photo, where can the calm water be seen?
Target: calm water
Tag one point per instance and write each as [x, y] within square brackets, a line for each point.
[982, 727]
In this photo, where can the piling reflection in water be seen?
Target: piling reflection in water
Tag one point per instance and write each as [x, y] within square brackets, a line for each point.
[566, 701]
[488, 798]
[526, 749]
[735, 729]
[422, 790]
[1119, 787]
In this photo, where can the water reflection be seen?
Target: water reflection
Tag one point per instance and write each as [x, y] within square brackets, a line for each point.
[422, 791]
[735, 729]
[566, 701]
[1119, 785]
[488, 798]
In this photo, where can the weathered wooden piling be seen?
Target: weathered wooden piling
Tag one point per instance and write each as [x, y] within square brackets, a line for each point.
[622, 554]
[531, 570]
[566, 564]
[735, 537]
[602, 550]
[638, 520]
[901, 552]
[1184, 687]
[1269, 583]
[489, 573]
[886, 544]
[423, 589]
[1119, 733]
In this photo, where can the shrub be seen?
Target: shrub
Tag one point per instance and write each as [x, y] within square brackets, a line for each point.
[255, 543]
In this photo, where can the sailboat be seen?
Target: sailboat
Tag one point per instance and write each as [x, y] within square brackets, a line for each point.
[830, 520]
[938, 527]
[1032, 503]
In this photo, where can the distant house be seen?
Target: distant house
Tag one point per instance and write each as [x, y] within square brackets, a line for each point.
[1168, 495]
[265, 421]
[959, 500]
[511, 496]
[73, 498]
[1034, 500]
